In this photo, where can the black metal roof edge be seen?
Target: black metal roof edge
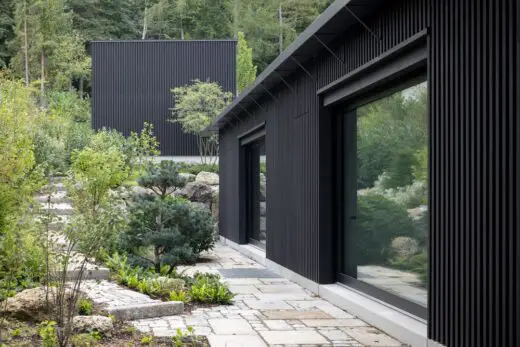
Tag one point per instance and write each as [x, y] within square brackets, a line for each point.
[159, 41]
[298, 43]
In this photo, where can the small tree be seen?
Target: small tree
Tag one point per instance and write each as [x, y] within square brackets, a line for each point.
[246, 71]
[172, 228]
[195, 108]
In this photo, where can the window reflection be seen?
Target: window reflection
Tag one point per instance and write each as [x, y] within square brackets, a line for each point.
[392, 187]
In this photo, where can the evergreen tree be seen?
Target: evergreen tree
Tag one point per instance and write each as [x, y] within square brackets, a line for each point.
[172, 228]
[6, 30]
[246, 71]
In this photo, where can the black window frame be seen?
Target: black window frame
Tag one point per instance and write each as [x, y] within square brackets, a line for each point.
[403, 66]
[247, 139]
[346, 119]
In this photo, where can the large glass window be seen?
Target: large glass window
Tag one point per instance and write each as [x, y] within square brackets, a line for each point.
[256, 193]
[386, 205]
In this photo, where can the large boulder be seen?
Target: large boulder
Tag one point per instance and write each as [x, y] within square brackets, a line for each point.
[405, 246]
[187, 177]
[417, 213]
[197, 191]
[88, 324]
[208, 178]
[30, 304]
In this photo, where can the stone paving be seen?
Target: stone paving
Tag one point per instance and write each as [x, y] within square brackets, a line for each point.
[112, 295]
[266, 312]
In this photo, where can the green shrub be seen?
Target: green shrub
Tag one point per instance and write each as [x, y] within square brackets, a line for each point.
[379, 220]
[85, 307]
[417, 263]
[410, 196]
[400, 169]
[195, 168]
[163, 229]
[209, 289]
[50, 151]
[78, 137]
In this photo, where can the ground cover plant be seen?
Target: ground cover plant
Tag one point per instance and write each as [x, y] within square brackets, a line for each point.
[169, 285]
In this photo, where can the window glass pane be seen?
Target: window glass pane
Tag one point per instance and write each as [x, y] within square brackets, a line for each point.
[392, 187]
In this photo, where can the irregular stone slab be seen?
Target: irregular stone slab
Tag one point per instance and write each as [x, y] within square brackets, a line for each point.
[243, 289]
[152, 310]
[293, 314]
[292, 337]
[334, 322]
[277, 324]
[372, 337]
[267, 305]
[251, 272]
[56, 198]
[207, 178]
[280, 288]
[236, 341]
[87, 324]
[90, 273]
[30, 304]
[197, 191]
[283, 296]
[224, 326]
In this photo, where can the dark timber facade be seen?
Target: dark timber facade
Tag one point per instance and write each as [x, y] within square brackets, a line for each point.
[468, 52]
[131, 82]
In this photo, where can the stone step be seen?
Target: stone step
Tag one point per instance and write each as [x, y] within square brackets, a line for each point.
[93, 273]
[59, 209]
[150, 310]
[56, 198]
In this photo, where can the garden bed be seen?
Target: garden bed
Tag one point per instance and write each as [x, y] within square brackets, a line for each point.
[16, 333]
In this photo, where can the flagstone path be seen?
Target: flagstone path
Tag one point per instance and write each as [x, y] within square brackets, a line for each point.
[267, 310]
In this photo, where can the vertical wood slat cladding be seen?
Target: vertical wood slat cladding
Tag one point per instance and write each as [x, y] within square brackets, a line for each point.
[132, 82]
[473, 73]
[474, 77]
[298, 224]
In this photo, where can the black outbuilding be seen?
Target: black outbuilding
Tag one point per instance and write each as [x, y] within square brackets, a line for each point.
[309, 151]
[131, 82]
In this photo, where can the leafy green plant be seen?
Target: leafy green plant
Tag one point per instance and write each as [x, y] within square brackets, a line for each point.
[85, 307]
[180, 338]
[208, 288]
[178, 296]
[16, 332]
[47, 333]
[85, 340]
[147, 340]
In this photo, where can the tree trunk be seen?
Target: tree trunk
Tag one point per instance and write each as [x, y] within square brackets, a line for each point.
[145, 21]
[157, 253]
[235, 19]
[281, 27]
[26, 48]
[42, 77]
